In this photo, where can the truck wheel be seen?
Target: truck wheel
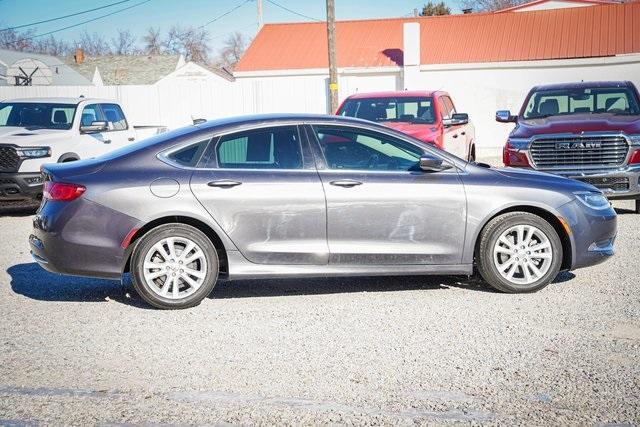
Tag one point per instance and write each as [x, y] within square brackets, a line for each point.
[174, 266]
[519, 252]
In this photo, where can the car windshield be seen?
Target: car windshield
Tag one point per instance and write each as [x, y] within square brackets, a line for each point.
[37, 115]
[595, 100]
[401, 109]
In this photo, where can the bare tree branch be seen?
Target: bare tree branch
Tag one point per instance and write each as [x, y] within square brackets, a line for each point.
[152, 42]
[232, 50]
[124, 43]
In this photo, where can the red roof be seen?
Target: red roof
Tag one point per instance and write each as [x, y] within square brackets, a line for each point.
[582, 32]
[536, 2]
[396, 94]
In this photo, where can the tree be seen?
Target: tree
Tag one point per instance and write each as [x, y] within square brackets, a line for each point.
[435, 9]
[124, 43]
[93, 44]
[232, 50]
[152, 42]
[190, 42]
[489, 5]
[16, 40]
[51, 46]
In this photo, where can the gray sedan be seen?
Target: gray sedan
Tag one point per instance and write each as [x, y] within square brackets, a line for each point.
[304, 195]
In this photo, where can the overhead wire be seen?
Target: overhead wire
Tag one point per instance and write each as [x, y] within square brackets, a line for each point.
[64, 16]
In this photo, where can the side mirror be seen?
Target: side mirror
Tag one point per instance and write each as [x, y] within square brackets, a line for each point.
[504, 116]
[94, 127]
[456, 120]
[433, 164]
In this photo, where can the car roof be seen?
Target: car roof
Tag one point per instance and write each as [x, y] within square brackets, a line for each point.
[292, 118]
[60, 100]
[396, 94]
[583, 85]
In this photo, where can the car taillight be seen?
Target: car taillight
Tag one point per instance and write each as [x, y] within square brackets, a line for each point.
[512, 156]
[635, 157]
[62, 191]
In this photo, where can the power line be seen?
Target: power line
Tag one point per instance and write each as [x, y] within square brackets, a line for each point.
[84, 22]
[225, 14]
[293, 11]
[65, 16]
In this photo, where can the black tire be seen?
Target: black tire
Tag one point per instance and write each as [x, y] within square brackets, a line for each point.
[472, 153]
[637, 210]
[487, 241]
[146, 243]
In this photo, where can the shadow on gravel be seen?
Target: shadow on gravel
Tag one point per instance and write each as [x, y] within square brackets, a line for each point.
[623, 211]
[17, 211]
[34, 282]
[338, 285]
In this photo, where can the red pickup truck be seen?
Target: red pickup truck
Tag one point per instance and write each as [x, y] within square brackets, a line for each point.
[429, 116]
[588, 131]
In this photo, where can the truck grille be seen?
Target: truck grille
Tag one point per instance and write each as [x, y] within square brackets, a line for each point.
[617, 183]
[580, 151]
[9, 160]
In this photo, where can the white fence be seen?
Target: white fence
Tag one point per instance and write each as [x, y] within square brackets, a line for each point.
[175, 104]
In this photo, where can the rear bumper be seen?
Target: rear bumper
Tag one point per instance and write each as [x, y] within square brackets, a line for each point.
[80, 238]
[20, 186]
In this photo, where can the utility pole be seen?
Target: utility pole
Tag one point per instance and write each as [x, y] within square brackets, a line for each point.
[331, 41]
[260, 21]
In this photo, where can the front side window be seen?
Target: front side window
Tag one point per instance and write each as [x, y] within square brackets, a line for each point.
[91, 113]
[401, 109]
[32, 115]
[348, 148]
[597, 100]
[114, 115]
[270, 148]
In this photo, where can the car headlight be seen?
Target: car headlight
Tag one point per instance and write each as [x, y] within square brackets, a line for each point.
[34, 152]
[595, 201]
[634, 139]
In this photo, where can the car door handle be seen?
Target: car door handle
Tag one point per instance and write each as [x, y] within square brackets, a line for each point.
[131, 138]
[348, 183]
[107, 141]
[224, 183]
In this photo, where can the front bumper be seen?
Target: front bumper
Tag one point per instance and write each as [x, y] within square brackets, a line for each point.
[20, 186]
[615, 184]
[593, 233]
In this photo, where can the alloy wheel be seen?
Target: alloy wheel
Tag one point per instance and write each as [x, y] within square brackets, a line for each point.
[523, 254]
[175, 267]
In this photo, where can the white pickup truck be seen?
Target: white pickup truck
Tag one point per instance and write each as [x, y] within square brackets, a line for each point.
[36, 131]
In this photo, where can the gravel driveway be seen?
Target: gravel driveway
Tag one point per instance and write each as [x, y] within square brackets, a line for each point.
[399, 350]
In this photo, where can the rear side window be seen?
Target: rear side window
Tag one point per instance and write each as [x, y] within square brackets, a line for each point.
[189, 155]
[271, 148]
[114, 115]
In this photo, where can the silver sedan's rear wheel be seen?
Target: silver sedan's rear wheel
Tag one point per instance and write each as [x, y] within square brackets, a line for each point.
[174, 266]
[519, 252]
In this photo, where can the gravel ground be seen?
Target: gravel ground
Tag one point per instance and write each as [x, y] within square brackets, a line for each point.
[402, 350]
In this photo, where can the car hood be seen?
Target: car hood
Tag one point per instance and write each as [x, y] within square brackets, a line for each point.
[545, 179]
[23, 137]
[421, 131]
[577, 123]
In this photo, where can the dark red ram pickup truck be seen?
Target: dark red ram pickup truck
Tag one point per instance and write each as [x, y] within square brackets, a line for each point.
[588, 131]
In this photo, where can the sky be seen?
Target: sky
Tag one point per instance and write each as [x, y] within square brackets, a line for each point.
[165, 13]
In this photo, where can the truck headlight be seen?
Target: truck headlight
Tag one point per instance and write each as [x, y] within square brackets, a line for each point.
[634, 139]
[34, 152]
[593, 200]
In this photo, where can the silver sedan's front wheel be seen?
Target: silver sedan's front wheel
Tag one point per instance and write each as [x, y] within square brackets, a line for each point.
[174, 266]
[519, 252]
[522, 254]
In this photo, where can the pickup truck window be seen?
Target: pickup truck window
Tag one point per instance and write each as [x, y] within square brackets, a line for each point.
[31, 115]
[597, 100]
[401, 109]
[114, 115]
